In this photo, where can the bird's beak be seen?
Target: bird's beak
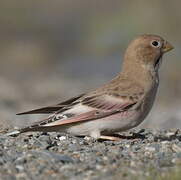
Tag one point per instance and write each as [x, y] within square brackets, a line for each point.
[167, 47]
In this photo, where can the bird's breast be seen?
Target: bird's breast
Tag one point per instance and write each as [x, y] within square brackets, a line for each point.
[149, 99]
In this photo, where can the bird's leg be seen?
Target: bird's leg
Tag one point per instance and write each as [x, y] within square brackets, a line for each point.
[97, 135]
[110, 138]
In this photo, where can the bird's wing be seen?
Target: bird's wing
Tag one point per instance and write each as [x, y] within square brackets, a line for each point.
[93, 108]
[53, 108]
[115, 97]
[90, 107]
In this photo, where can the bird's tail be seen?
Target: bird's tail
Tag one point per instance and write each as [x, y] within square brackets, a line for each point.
[36, 128]
[16, 132]
[13, 133]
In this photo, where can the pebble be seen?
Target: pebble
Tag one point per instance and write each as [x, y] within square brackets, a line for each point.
[62, 138]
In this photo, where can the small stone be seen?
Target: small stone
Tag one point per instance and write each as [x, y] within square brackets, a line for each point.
[20, 168]
[62, 138]
[127, 145]
[87, 138]
[169, 134]
[165, 142]
[176, 148]
[150, 148]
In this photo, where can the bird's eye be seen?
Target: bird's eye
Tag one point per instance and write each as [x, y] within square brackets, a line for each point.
[155, 43]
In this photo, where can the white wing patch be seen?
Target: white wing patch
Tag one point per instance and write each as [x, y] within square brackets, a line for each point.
[76, 110]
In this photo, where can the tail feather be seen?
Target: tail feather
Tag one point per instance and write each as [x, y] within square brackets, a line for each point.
[13, 133]
[39, 128]
[52, 109]
[45, 110]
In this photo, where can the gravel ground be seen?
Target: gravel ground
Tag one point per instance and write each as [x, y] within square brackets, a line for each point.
[143, 154]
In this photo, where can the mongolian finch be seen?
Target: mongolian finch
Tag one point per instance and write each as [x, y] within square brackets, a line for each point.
[119, 105]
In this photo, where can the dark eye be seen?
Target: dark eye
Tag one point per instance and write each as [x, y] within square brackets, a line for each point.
[155, 43]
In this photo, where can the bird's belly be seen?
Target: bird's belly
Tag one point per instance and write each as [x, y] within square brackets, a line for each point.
[114, 123]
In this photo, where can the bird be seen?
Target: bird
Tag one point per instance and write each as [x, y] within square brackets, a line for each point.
[117, 106]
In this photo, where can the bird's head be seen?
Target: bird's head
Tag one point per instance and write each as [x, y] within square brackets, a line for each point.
[146, 51]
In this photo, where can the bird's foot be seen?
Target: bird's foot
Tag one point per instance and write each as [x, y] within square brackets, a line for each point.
[110, 138]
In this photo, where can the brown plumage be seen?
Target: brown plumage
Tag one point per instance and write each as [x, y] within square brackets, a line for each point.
[119, 105]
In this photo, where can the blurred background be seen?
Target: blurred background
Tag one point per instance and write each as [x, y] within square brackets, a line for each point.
[52, 50]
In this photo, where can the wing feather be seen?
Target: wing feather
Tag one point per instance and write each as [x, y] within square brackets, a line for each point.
[110, 99]
[54, 108]
[104, 106]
